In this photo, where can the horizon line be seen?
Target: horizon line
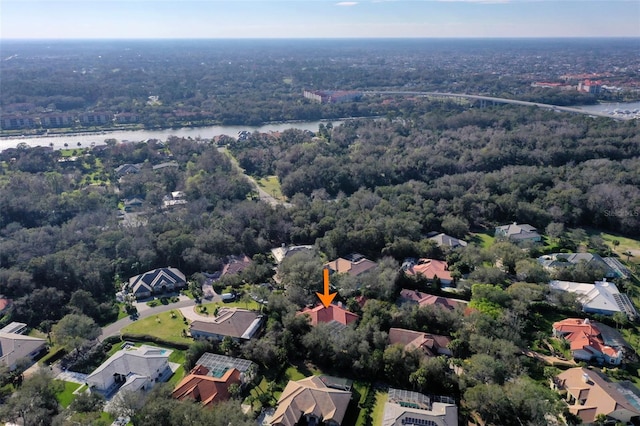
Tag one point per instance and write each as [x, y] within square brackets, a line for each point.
[3, 39]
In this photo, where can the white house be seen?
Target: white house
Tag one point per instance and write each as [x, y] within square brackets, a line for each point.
[404, 408]
[132, 368]
[15, 346]
[603, 297]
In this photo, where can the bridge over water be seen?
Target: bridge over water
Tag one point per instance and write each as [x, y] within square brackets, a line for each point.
[489, 99]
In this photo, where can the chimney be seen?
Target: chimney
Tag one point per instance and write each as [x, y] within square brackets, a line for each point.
[339, 304]
[586, 378]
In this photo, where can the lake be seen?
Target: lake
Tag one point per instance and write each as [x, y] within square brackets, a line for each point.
[88, 139]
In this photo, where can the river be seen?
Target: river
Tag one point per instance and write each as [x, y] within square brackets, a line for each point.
[613, 108]
[89, 139]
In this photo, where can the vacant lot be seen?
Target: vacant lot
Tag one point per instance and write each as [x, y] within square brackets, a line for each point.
[167, 326]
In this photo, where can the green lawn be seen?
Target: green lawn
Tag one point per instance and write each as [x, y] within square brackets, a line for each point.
[66, 397]
[211, 307]
[161, 326]
[625, 244]
[378, 409]
[483, 239]
[271, 185]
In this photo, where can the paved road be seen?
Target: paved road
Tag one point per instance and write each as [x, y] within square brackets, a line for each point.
[503, 101]
[114, 329]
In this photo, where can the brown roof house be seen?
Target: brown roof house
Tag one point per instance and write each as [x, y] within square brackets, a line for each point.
[354, 265]
[317, 399]
[429, 269]
[429, 344]
[588, 394]
[235, 264]
[157, 281]
[424, 299]
[586, 341]
[237, 323]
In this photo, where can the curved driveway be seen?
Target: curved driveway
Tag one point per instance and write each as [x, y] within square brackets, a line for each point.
[114, 329]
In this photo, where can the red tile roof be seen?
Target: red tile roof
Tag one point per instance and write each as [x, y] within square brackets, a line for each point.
[583, 335]
[201, 387]
[332, 313]
[4, 303]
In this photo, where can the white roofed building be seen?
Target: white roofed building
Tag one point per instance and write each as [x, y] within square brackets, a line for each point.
[603, 297]
[132, 368]
[15, 346]
[406, 408]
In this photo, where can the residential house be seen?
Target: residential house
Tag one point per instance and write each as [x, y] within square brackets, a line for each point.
[335, 315]
[200, 386]
[14, 328]
[127, 169]
[603, 297]
[131, 368]
[177, 198]
[313, 401]
[236, 323]
[412, 408]
[157, 281]
[15, 346]
[5, 304]
[589, 393]
[444, 240]
[518, 233]
[555, 261]
[429, 344]
[235, 264]
[429, 269]
[281, 253]
[586, 341]
[133, 204]
[424, 299]
[354, 264]
[208, 382]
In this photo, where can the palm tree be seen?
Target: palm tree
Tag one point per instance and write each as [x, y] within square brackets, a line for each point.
[628, 254]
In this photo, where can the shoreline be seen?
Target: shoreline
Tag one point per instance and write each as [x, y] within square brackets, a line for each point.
[164, 129]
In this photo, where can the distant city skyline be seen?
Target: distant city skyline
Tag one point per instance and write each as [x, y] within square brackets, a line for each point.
[172, 19]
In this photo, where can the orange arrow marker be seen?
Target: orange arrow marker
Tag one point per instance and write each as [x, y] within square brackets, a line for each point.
[326, 298]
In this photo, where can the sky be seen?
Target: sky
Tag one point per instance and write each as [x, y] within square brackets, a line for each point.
[175, 19]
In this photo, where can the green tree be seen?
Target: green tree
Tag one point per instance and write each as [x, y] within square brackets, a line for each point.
[35, 403]
[73, 331]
